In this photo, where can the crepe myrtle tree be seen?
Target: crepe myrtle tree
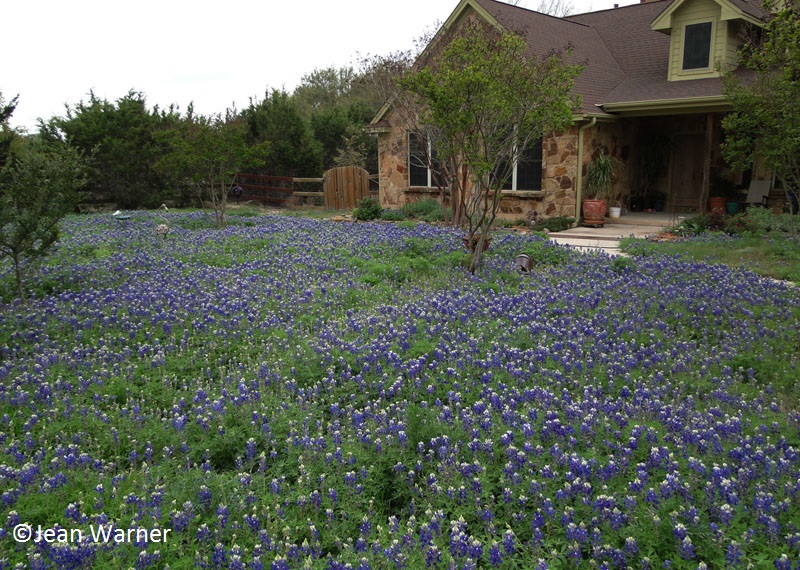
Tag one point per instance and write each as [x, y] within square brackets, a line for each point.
[39, 185]
[488, 101]
[765, 119]
[206, 152]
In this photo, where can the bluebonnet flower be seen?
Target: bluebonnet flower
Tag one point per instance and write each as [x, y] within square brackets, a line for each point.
[687, 549]
[279, 563]
[783, 563]
[509, 542]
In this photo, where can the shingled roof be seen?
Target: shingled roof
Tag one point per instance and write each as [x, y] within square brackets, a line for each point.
[626, 60]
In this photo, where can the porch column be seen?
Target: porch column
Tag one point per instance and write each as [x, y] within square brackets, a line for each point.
[707, 149]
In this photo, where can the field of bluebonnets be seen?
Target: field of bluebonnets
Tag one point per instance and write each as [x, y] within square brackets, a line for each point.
[297, 393]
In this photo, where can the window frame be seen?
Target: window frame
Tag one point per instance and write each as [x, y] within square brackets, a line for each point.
[538, 159]
[711, 24]
[412, 167]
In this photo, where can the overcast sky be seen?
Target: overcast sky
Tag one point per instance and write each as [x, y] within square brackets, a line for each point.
[215, 54]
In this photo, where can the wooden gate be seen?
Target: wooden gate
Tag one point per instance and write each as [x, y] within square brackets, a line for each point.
[344, 187]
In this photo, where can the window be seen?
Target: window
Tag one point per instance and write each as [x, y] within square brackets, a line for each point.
[527, 174]
[419, 149]
[697, 46]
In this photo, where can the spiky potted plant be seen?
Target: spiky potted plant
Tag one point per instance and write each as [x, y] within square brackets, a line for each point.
[600, 177]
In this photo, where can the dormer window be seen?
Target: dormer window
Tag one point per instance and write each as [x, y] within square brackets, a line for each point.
[697, 46]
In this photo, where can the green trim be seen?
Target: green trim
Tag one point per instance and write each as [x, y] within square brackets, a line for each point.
[685, 106]
[728, 11]
[377, 130]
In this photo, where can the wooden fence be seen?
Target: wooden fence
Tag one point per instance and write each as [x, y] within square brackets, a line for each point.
[271, 190]
[337, 190]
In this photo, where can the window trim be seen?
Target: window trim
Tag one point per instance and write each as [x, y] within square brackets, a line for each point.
[684, 39]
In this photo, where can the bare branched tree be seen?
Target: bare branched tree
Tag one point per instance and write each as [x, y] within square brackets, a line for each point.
[557, 8]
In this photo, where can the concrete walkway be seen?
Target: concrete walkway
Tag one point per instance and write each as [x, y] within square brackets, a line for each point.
[606, 239]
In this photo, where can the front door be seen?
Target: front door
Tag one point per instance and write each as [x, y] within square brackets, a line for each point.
[687, 173]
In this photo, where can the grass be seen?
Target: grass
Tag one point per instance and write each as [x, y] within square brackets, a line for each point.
[773, 255]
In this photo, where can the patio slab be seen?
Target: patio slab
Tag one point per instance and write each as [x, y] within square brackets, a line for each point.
[606, 239]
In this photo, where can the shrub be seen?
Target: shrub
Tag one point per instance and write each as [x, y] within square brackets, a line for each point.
[621, 264]
[717, 221]
[428, 210]
[543, 253]
[692, 226]
[512, 223]
[554, 224]
[763, 220]
[368, 209]
[393, 215]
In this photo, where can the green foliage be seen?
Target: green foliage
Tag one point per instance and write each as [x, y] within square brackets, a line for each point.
[393, 215]
[764, 220]
[696, 225]
[758, 371]
[293, 151]
[340, 131]
[7, 135]
[120, 138]
[772, 255]
[419, 259]
[554, 224]
[506, 223]
[755, 221]
[427, 210]
[368, 209]
[356, 412]
[764, 122]
[600, 176]
[546, 254]
[205, 153]
[339, 103]
[39, 185]
[622, 264]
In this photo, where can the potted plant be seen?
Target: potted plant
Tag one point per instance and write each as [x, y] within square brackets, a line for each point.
[600, 177]
[723, 195]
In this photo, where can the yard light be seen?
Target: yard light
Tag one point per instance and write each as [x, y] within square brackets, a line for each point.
[524, 263]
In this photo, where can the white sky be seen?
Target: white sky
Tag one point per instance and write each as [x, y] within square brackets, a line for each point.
[215, 54]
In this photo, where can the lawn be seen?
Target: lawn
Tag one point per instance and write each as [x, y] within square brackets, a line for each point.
[302, 393]
[775, 256]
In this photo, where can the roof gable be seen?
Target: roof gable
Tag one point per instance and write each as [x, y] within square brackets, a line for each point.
[729, 10]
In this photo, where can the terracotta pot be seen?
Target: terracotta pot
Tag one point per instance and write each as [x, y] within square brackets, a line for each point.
[594, 211]
[716, 204]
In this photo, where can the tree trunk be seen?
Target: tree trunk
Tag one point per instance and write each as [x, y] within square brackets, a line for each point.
[18, 275]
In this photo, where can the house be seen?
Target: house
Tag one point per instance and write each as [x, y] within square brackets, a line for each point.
[651, 95]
